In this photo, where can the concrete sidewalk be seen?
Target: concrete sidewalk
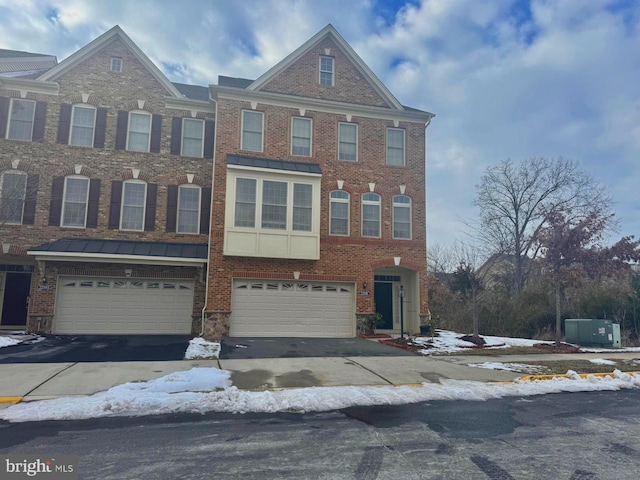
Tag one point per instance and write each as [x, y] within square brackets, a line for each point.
[28, 381]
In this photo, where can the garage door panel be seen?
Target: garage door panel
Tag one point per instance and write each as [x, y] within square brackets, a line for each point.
[292, 309]
[113, 306]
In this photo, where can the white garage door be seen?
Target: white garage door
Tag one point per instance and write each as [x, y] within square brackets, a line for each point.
[123, 306]
[271, 308]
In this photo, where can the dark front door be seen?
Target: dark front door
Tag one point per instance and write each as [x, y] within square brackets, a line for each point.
[16, 295]
[383, 298]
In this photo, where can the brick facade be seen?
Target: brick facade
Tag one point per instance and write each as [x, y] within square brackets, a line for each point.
[294, 91]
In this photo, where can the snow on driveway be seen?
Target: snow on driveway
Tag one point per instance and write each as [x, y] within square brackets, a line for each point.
[202, 390]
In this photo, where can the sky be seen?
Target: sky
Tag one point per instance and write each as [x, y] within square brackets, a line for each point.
[507, 79]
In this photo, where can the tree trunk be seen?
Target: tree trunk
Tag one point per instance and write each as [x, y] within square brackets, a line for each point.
[558, 316]
[476, 328]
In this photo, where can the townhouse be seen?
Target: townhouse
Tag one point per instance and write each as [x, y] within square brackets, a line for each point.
[288, 205]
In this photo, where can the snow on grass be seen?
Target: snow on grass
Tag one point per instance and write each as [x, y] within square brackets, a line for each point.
[602, 361]
[202, 390]
[449, 342]
[509, 367]
[201, 348]
[11, 338]
[608, 350]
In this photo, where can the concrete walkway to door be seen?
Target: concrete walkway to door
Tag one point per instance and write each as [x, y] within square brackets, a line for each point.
[243, 348]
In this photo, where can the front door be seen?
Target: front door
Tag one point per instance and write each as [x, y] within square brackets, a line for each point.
[15, 299]
[383, 298]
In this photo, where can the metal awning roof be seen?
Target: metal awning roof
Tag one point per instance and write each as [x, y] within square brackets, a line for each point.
[122, 251]
[256, 162]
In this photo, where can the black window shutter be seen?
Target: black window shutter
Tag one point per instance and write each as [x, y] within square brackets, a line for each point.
[172, 207]
[114, 205]
[150, 215]
[29, 212]
[209, 128]
[205, 210]
[176, 135]
[121, 130]
[38, 121]
[156, 133]
[64, 123]
[101, 127]
[94, 203]
[55, 209]
[4, 115]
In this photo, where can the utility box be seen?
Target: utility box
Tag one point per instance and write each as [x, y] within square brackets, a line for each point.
[590, 331]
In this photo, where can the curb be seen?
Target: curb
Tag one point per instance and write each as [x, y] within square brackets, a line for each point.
[533, 378]
[10, 399]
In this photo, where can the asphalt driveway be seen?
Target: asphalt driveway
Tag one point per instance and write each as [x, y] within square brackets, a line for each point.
[97, 348]
[239, 348]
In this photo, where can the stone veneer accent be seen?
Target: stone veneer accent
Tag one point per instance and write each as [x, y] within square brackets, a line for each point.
[216, 325]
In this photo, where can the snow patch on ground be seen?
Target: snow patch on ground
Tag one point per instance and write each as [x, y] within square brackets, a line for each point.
[201, 348]
[12, 338]
[602, 361]
[202, 390]
[448, 342]
[509, 367]
[608, 350]
[8, 341]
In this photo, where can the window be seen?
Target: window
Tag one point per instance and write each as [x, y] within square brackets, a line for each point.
[326, 70]
[116, 64]
[245, 212]
[301, 136]
[21, 119]
[395, 147]
[402, 217]
[252, 127]
[338, 213]
[189, 209]
[75, 198]
[13, 187]
[192, 137]
[134, 195]
[302, 207]
[371, 215]
[274, 205]
[83, 121]
[348, 141]
[139, 134]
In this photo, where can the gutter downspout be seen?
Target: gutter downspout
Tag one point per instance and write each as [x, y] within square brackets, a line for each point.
[213, 176]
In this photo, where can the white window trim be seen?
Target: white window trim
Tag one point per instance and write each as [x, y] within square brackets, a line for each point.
[404, 147]
[73, 115]
[33, 118]
[111, 64]
[144, 205]
[371, 202]
[259, 203]
[187, 185]
[64, 201]
[333, 71]
[306, 119]
[140, 112]
[341, 200]
[242, 132]
[24, 193]
[182, 137]
[409, 206]
[357, 134]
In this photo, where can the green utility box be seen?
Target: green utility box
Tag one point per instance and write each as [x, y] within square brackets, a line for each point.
[589, 331]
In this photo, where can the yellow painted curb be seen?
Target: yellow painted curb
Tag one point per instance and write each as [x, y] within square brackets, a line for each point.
[532, 378]
[10, 399]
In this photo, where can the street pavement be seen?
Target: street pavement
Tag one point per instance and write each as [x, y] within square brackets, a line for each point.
[36, 381]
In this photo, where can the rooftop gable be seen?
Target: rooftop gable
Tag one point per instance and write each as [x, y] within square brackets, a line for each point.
[331, 32]
[95, 45]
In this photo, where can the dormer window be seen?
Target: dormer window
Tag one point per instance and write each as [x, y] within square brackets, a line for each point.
[326, 70]
[116, 64]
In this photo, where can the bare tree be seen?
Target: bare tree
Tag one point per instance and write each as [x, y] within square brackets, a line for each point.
[516, 199]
